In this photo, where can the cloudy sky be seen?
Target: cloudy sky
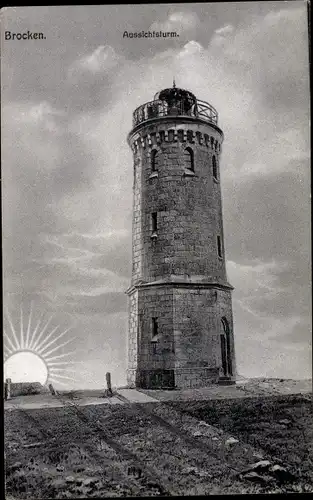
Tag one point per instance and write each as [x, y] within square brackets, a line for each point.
[67, 105]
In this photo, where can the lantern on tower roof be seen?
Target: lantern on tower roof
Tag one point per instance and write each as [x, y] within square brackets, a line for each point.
[177, 99]
[178, 102]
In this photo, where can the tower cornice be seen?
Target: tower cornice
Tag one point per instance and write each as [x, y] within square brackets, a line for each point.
[180, 284]
[173, 120]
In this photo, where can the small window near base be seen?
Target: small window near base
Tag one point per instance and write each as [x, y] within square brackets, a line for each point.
[155, 332]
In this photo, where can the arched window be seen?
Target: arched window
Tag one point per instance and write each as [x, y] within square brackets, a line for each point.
[214, 167]
[154, 160]
[189, 159]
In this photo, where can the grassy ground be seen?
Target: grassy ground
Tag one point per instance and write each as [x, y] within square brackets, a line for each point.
[282, 426]
[175, 448]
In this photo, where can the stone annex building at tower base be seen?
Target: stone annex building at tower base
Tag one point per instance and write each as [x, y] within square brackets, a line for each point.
[180, 304]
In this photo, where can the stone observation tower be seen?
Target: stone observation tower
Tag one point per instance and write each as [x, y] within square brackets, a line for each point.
[180, 306]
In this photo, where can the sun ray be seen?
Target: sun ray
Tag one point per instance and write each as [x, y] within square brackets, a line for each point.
[62, 370]
[39, 338]
[57, 381]
[7, 350]
[21, 332]
[28, 326]
[42, 343]
[60, 356]
[13, 330]
[5, 346]
[43, 346]
[10, 341]
[60, 363]
[56, 375]
[35, 331]
[41, 333]
[57, 347]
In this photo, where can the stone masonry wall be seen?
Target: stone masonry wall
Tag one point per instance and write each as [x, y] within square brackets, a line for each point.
[132, 348]
[156, 302]
[183, 247]
[137, 243]
[27, 388]
[197, 329]
[189, 328]
[188, 205]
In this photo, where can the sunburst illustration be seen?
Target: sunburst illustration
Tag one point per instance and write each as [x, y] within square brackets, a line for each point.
[31, 352]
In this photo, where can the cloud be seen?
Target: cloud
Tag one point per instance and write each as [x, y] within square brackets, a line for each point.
[40, 114]
[103, 303]
[102, 60]
[265, 291]
[266, 51]
[177, 21]
[225, 30]
[191, 48]
[272, 319]
[34, 128]
[222, 36]
[88, 269]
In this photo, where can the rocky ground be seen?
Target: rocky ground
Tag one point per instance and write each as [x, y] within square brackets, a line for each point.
[243, 388]
[244, 445]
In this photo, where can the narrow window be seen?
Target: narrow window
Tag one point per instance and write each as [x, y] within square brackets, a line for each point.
[154, 327]
[135, 173]
[189, 159]
[154, 160]
[154, 222]
[214, 167]
[219, 247]
[154, 339]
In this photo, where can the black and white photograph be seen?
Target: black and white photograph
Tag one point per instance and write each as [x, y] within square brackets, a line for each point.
[156, 250]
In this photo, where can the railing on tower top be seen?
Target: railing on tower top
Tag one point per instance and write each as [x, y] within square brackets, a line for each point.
[160, 108]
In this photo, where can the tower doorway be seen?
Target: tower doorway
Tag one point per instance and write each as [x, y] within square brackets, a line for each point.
[225, 349]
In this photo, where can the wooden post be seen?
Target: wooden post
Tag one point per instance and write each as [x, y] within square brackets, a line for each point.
[7, 389]
[52, 390]
[109, 386]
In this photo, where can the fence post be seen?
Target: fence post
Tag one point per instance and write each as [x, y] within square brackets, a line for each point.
[7, 389]
[52, 390]
[109, 386]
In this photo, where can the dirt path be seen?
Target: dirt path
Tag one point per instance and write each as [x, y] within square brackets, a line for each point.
[143, 454]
